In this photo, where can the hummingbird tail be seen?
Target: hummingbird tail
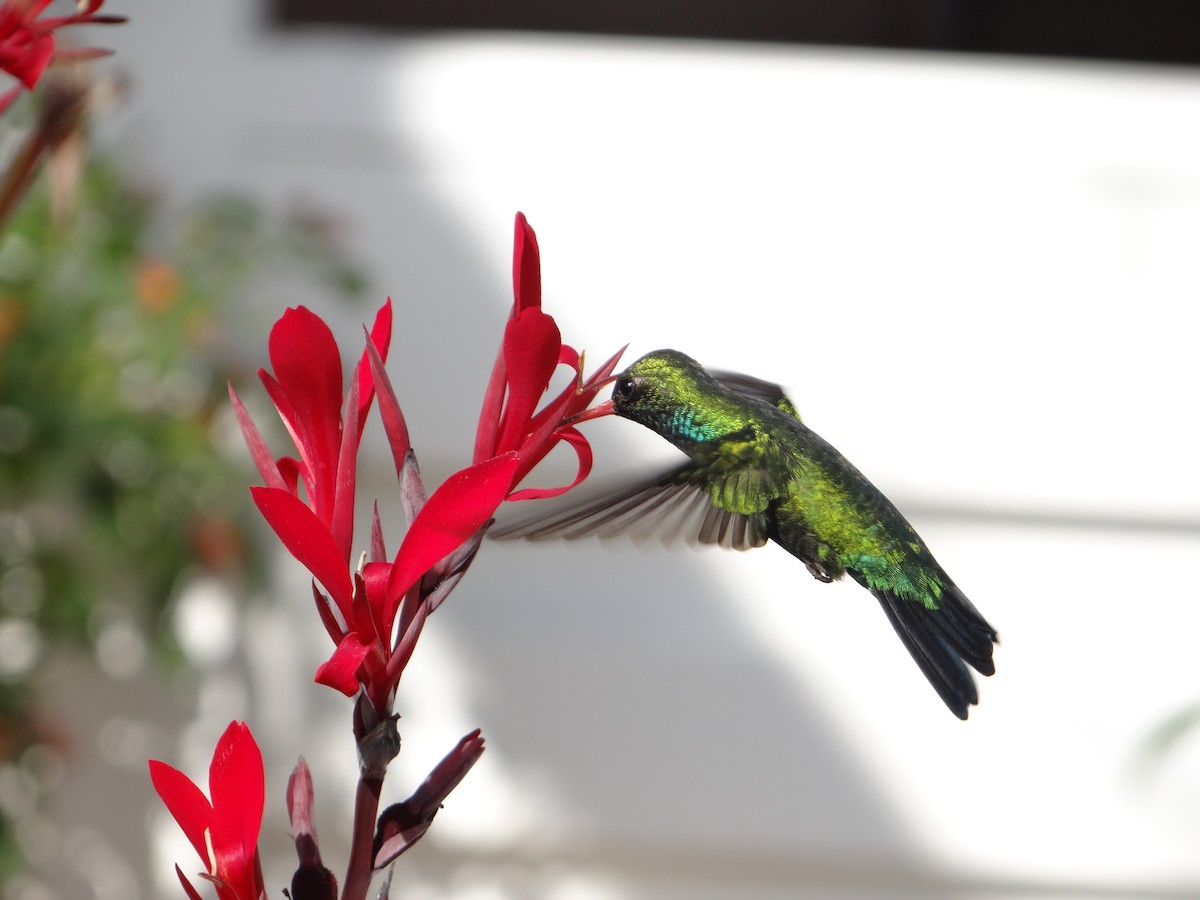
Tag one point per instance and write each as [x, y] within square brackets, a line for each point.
[942, 641]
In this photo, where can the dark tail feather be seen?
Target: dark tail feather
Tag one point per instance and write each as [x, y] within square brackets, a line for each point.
[943, 641]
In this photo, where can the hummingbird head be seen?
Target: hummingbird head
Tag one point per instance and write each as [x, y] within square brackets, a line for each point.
[659, 387]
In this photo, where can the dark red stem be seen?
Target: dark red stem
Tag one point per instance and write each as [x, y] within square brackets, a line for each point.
[366, 811]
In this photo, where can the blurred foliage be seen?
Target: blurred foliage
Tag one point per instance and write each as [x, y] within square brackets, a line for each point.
[113, 364]
[1165, 739]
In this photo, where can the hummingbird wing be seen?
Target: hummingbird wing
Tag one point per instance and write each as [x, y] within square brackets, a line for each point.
[671, 506]
[767, 391]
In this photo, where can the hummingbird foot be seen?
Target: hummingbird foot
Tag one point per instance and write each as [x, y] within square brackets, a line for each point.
[819, 559]
[818, 571]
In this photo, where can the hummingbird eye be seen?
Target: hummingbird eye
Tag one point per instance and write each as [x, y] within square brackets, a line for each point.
[624, 389]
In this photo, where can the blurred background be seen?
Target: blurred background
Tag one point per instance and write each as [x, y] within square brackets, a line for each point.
[975, 273]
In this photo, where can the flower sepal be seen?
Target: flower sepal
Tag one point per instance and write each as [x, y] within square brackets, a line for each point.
[403, 824]
[377, 736]
[311, 880]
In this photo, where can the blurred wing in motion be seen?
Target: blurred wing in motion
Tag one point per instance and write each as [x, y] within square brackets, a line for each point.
[767, 391]
[670, 506]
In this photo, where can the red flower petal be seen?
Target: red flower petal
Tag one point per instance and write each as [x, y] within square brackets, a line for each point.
[331, 617]
[527, 294]
[407, 642]
[489, 414]
[236, 781]
[341, 518]
[375, 577]
[394, 425]
[531, 348]
[307, 539]
[363, 622]
[259, 452]
[457, 509]
[185, 802]
[192, 893]
[583, 453]
[289, 470]
[296, 470]
[574, 397]
[308, 367]
[31, 61]
[340, 671]
[378, 550]
[527, 267]
[547, 427]
[381, 339]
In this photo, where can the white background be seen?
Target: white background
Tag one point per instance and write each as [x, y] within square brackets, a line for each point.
[977, 278]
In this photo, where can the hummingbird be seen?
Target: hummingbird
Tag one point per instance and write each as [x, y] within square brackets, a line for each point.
[756, 473]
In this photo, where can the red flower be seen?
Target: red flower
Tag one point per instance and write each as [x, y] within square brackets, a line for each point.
[28, 46]
[445, 531]
[531, 351]
[307, 392]
[326, 428]
[224, 831]
[510, 441]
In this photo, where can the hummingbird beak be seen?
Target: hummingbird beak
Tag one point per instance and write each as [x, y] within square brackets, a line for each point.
[595, 412]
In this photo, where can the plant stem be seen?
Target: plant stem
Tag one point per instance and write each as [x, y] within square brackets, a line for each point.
[63, 104]
[366, 810]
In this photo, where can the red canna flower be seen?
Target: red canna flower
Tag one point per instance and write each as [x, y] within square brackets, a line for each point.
[531, 352]
[309, 500]
[318, 527]
[513, 436]
[225, 830]
[28, 45]
[307, 391]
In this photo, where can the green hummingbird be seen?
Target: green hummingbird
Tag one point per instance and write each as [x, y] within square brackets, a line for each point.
[755, 473]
